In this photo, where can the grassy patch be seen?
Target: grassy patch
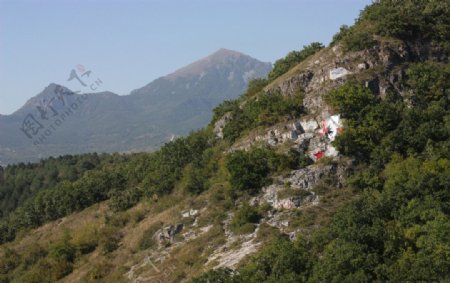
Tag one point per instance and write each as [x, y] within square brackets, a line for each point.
[267, 233]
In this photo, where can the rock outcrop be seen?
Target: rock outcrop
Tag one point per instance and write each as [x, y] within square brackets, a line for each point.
[307, 135]
[303, 181]
[220, 125]
[167, 234]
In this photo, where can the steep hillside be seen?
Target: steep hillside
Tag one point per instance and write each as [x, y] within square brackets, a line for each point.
[63, 122]
[334, 169]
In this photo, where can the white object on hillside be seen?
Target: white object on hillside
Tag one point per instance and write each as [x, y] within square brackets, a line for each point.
[338, 73]
[333, 125]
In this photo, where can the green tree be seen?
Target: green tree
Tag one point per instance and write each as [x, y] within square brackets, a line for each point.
[293, 58]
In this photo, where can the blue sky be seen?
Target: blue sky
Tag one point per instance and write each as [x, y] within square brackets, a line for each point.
[130, 43]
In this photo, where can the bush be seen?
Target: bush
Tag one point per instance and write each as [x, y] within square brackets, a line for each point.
[221, 275]
[343, 31]
[356, 39]
[194, 179]
[248, 171]
[428, 81]
[139, 214]
[409, 19]
[60, 268]
[244, 219]
[350, 99]
[33, 254]
[63, 250]
[293, 58]
[85, 240]
[255, 86]
[167, 164]
[122, 199]
[9, 261]
[109, 239]
[223, 108]
[280, 261]
[99, 271]
[42, 272]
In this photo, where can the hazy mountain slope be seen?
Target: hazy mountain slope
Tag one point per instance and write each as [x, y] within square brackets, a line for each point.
[187, 96]
[105, 122]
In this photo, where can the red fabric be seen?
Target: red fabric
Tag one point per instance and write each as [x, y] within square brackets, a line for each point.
[318, 155]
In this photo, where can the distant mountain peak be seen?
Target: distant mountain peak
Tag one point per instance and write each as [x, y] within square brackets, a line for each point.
[51, 90]
[223, 53]
[218, 57]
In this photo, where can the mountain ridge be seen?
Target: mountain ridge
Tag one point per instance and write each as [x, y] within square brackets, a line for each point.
[174, 106]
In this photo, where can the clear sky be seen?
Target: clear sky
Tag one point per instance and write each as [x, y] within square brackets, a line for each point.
[130, 43]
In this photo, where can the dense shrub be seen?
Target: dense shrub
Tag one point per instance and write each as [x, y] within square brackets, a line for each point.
[251, 170]
[408, 20]
[280, 261]
[167, 164]
[255, 86]
[220, 275]
[428, 81]
[248, 171]
[122, 198]
[85, 240]
[63, 249]
[223, 108]
[194, 179]
[293, 58]
[244, 219]
[21, 181]
[109, 239]
[9, 260]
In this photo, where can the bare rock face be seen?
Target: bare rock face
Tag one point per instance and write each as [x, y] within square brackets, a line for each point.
[270, 196]
[189, 213]
[220, 125]
[303, 181]
[167, 234]
[315, 77]
[307, 135]
[299, 82]
[307, 178]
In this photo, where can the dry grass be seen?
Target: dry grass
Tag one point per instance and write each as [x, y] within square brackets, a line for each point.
[325, 54]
